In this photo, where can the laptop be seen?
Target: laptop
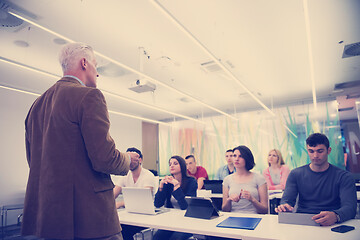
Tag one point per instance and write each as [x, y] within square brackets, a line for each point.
[214, 185]
[199, 207]
[140, 200]
[297, 218]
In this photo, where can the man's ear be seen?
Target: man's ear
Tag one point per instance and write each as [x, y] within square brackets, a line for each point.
[83, 63]
[329, 150]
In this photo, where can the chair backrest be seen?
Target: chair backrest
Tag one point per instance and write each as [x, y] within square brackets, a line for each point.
[157, 182]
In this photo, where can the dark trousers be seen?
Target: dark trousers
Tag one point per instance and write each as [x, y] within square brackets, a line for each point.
[128, 231]
[170, 235]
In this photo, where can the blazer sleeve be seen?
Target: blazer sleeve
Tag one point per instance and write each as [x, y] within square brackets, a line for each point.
[95, 125]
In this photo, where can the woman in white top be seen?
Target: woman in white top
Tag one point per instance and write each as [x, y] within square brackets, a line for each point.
[243, 190]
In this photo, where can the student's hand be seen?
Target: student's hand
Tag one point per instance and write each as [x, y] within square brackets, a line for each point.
[173, 181]
[284, 208]
[246, 194]
[234, 197]
[325, 218]
[134, 156]
[162, 182]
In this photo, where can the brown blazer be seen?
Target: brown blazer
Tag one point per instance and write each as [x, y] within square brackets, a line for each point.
[71, 154]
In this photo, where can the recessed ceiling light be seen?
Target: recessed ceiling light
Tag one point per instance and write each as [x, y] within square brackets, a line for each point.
[21, 43]
[59, 41]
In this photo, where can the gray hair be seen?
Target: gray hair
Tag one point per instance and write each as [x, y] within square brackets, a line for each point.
[73, 52]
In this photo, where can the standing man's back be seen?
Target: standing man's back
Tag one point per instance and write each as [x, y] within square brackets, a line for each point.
[71, 154]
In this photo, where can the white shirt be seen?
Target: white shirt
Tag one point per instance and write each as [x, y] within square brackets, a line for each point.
[146, 179]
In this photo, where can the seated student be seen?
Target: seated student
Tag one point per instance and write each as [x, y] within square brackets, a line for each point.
[228, 168]
[323, 189]
[198, 172]
[172, 192]
[277, 172]
[243, 190]
[136, 177]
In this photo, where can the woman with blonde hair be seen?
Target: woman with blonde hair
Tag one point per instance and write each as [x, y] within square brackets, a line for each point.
[277, 172]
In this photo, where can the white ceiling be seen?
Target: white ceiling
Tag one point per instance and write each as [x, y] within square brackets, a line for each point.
[264, 44]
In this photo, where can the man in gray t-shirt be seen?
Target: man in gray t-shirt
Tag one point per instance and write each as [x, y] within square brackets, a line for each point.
[323, 189]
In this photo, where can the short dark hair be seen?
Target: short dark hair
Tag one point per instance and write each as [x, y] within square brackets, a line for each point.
[316, 139]
[190, 156]
[133, 149]
[247, 155]
[229, 150]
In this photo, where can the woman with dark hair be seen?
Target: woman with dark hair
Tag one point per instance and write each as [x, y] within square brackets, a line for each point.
[243, 190]
[172, 192]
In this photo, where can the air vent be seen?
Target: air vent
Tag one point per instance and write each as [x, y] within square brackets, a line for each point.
[345, 109]
[352, 84]
[351, 50]
[210, 67]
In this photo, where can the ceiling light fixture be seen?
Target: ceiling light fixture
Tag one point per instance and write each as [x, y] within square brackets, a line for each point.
[152, 107]
[19, 90]
[213, 57]
[110, 111]
[27, 67]
[140, 118]
[311, 62]
[127, 67]
[30, 68]
[207, 51]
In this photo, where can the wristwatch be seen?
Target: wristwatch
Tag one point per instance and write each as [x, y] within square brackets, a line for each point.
[337, 217]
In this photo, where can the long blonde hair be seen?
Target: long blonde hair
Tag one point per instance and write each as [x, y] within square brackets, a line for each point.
[280, 158]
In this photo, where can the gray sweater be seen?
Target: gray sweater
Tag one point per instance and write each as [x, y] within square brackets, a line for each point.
[331, 190]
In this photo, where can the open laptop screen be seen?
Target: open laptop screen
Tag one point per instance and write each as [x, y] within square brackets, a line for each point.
[214, 185]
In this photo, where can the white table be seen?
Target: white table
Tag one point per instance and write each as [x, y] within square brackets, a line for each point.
[268, 228]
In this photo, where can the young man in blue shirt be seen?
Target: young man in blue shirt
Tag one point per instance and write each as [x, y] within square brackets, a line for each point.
[324, 190]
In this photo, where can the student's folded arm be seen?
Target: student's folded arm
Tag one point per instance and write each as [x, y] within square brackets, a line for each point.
[160, 197]
[348, 198]
[180, 197]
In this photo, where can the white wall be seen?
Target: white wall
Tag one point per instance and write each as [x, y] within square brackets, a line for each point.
[13, 165]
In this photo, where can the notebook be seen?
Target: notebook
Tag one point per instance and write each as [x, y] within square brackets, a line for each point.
[140, 200]
[240, 222]
[214, 185]
[297, 218]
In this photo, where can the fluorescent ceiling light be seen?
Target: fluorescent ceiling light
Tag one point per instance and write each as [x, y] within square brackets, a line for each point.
[30, 68]
[128, 68]
[151, 106]
[110, 111]
[27, 67]
[214, 58]
[210, 54]
[19, 90]
[311, 62]
[140, 118]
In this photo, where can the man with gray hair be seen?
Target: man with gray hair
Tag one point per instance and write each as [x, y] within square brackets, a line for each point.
[71, 155]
